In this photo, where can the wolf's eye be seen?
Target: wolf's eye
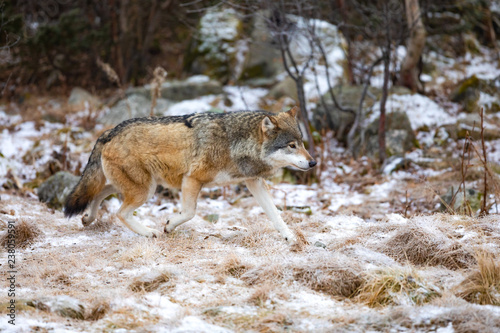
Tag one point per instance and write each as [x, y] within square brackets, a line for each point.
[292, 145]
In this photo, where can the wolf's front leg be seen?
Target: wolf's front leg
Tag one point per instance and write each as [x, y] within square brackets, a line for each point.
[189, 192]
[258, 188]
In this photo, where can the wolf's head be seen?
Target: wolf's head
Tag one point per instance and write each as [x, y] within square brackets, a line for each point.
[283, 144]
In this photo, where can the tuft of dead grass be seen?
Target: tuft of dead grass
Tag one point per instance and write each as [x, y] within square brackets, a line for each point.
[482, 285]
[301, 242]
[150, 282]
[146, 250]
[98, 311]
[413, 244]
[268, 273]
[332, 278]
[395, 286]
[232, 265]
[25, 233]
[261, 294]
[254, 237]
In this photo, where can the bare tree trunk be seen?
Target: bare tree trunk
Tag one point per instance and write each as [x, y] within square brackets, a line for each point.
[409, 72]
[303, 114]
[383, 100]
[489, 30]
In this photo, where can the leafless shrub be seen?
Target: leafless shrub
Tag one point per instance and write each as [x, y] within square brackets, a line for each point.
[396, 287]
[233, 266]
[332, 278]
[159, 76]
[413, 244]
[482, 285]
[25, 234]
[150, 282]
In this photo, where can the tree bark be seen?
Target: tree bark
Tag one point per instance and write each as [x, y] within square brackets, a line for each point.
[416, 41]
[383, 100]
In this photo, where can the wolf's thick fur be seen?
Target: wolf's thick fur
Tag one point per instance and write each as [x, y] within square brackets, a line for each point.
[189, 152]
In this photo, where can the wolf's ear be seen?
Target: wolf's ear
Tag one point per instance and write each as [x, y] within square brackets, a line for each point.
[293, 111]
[269, 124]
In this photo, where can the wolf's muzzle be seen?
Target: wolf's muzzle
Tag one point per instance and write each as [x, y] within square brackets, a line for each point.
[312, 164]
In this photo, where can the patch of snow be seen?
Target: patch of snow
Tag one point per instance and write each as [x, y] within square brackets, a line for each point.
[192, 324]
[243, 98]
[198, 79]
[421, 110]
[201, 104]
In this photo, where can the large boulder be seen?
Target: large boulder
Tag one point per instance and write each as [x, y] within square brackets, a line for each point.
[133, 106]
[175, 90]
[263, 59]
[473, 93]
[341, 121]
[471, 124]
[79, 96]
[214, 47]
[56, 189]
[399, 137]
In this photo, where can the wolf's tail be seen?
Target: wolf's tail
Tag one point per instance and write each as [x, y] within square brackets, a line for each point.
[91, 183]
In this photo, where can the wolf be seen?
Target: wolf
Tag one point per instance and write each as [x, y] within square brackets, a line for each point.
[189, 152]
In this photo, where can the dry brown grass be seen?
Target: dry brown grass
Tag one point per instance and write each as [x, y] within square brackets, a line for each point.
[145, 250]
[261, 294]
[482, 285]
[267, 273]
[26, 233]
[414, 244]
[98, 311]
[257, 236]
[301, 242]
[333, 278]
[151, 281]
[394, 286]
[232, 265]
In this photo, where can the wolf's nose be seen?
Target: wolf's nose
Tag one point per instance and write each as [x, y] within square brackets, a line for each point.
[312, 163]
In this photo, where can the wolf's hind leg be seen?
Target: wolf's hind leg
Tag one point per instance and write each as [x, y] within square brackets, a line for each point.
[94, 206]
[190, 190]
[259, 190]
[126, 212]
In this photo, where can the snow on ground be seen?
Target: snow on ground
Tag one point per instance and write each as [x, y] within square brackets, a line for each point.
[235, 273]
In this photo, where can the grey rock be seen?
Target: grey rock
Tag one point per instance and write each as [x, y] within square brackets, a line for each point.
[400, 137]
[286, 87]
[458, 204]
[340, 121]
[214, 46]
[133, 106]
[468, 92]
[263, 59]
[320, 244]
[181, 90]
[56, 189]
[63, 305]
[471, 124]
[79, 96]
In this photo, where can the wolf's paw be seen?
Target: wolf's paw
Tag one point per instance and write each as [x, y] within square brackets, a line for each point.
[168, 228]
[86, 220]
[291, 239]
[152, 233]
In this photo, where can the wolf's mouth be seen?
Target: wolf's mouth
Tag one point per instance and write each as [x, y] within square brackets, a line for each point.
[303, 169]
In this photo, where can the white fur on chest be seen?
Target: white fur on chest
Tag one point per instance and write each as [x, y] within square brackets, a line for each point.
[223, 178]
